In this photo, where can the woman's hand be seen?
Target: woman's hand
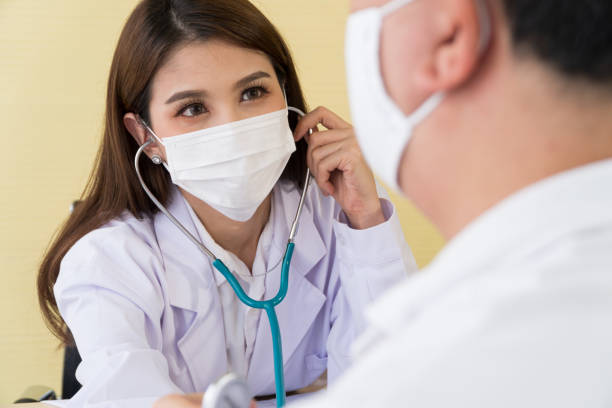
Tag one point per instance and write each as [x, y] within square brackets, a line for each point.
[179, 401]
[336, 162]
[184, 401]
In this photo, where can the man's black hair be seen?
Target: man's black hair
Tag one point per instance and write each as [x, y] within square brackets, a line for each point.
[574, 36]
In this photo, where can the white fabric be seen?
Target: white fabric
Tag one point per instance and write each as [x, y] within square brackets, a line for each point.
[143, 302]
[234, 166]
[514, 312]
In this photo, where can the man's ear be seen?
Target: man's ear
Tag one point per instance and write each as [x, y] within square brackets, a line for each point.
[458, 26]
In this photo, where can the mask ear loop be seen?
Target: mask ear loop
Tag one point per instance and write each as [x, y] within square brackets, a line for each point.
[291, 108]
[394, 6]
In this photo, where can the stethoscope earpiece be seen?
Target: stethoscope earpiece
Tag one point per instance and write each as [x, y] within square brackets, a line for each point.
[156, 160]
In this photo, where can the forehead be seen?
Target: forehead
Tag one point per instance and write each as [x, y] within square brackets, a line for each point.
[210, 65]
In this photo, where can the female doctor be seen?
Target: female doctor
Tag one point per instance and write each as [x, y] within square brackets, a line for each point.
[208, 83]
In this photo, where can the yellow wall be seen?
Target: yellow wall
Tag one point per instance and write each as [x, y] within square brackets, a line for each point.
[54, 59]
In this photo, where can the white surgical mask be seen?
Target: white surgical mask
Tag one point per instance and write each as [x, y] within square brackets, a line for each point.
[382, 129]
[232, 167]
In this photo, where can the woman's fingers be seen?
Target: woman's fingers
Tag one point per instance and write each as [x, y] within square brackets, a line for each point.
[324, 168]
[319, 153]
[179, 401]
[319, 116]
[185, 401]
[322, 145]
[324, 137]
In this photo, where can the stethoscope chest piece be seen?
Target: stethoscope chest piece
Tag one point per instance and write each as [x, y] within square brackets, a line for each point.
[230, 391]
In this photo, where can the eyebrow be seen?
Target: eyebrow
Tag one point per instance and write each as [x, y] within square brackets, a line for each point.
[201, 93]
[185, 94]
[250, 78]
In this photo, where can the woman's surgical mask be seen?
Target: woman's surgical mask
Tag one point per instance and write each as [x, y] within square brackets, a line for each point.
[232, 167]
[381, 127]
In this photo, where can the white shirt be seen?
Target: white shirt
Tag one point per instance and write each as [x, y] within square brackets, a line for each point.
[516, 311]
[240, 321]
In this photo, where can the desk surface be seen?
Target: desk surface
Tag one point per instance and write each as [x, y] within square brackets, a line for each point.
[33, 405]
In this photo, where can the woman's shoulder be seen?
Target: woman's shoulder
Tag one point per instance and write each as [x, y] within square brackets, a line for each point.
[125, 242]
[120, 232]
[120, 258]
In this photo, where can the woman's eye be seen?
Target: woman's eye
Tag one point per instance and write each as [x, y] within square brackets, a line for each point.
[194, 109]
[253, 93]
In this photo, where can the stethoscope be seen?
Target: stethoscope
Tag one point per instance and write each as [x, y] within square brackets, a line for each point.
[230, 391]
[267, 305]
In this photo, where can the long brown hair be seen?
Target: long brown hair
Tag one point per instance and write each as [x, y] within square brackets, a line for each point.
[154, 29]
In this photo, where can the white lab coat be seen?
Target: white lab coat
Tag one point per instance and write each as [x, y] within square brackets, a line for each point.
[143, 306]
[515, 312]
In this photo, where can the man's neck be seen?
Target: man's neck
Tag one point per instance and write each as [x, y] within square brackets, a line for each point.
[526, 130]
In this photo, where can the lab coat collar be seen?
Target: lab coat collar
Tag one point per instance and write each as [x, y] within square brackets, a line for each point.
[189, 281]
[188, 270]
[229, 259]
[571, 201]
[183, 260]
[310, 247]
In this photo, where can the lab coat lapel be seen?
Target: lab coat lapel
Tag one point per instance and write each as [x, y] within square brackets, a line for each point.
[303, 301]
[191, 287]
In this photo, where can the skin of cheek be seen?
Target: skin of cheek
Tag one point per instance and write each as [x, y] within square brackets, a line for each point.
[405, 48]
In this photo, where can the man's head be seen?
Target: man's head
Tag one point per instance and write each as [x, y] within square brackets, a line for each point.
[536, 101]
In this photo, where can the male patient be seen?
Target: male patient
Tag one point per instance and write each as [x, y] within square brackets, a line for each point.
[495, 118]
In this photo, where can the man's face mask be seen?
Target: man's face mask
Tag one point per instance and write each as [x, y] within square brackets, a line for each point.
[381, 127]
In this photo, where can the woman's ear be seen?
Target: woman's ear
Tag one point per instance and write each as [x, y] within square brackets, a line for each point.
[136, 129]
[139, 132]
[453, 58]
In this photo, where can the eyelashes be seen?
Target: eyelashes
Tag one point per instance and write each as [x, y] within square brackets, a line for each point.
[195, 107]
[254, 91]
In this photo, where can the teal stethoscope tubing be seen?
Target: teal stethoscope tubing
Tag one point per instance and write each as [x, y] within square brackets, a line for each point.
[267, 305]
